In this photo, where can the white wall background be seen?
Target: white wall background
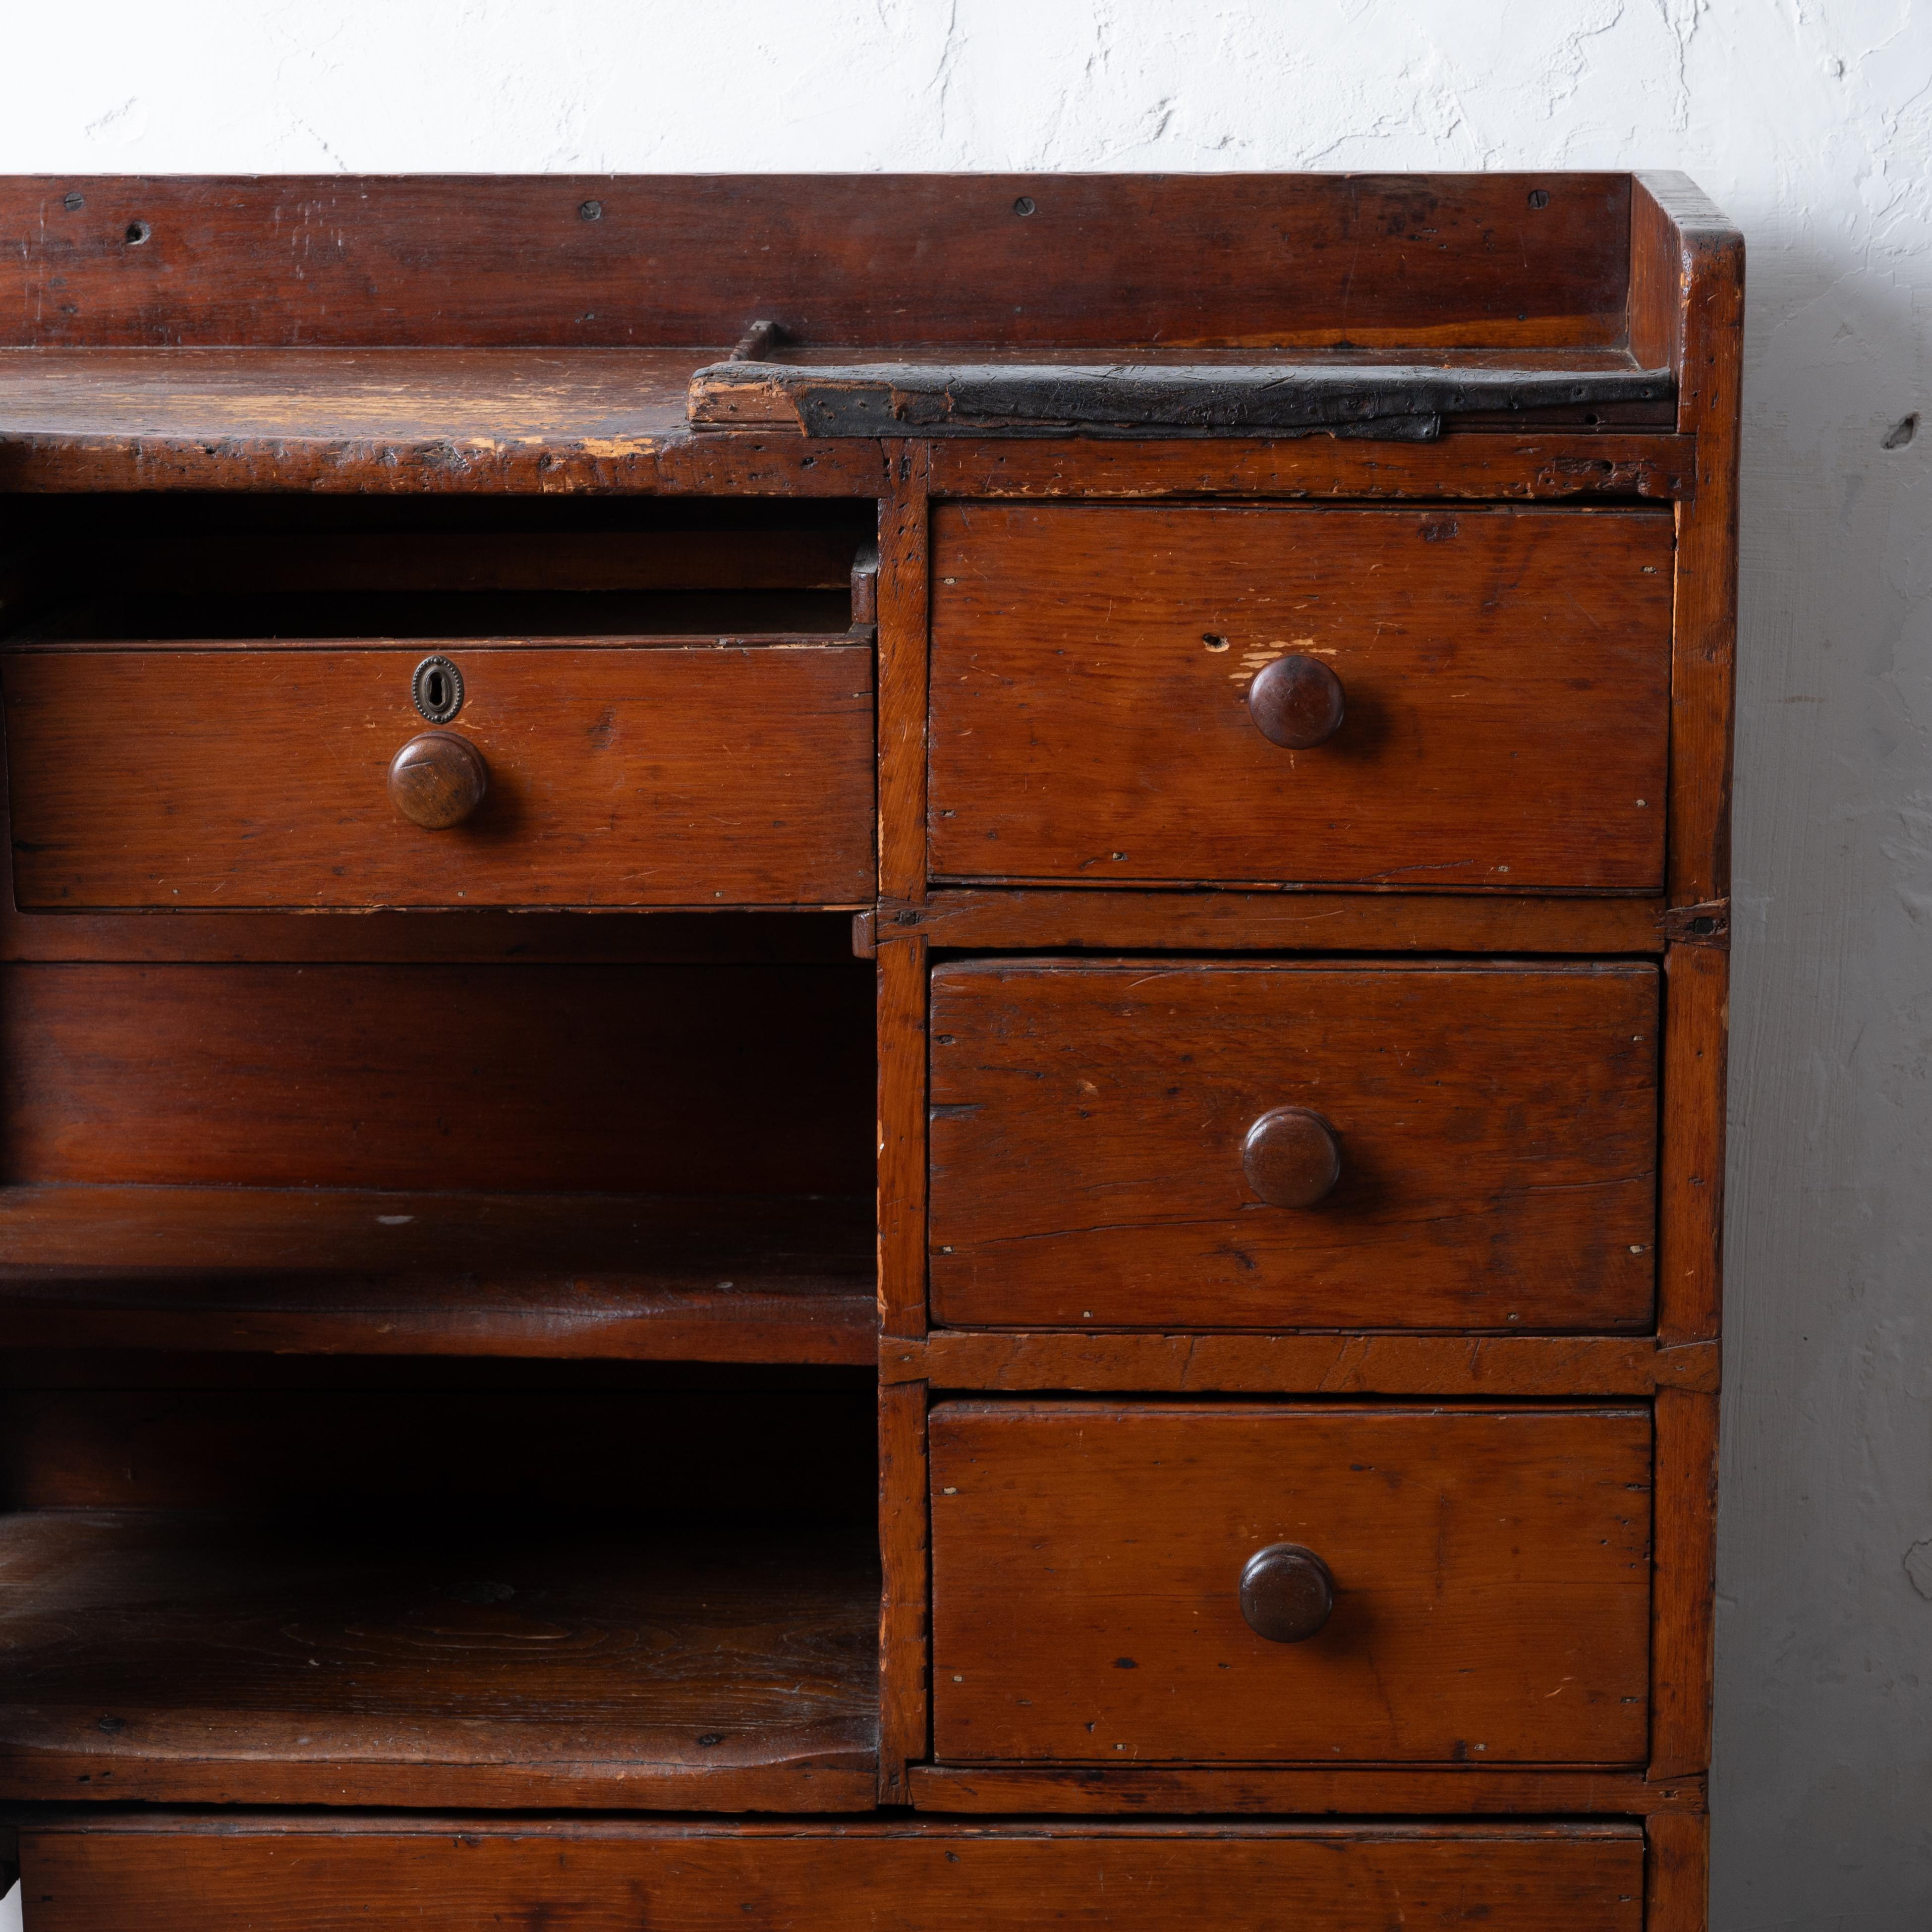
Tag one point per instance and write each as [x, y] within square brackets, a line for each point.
[1810, 121]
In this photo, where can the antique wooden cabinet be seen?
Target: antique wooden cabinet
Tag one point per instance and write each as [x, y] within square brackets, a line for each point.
[862, 1050]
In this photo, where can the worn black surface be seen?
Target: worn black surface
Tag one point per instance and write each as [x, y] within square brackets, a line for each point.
[1393, 402]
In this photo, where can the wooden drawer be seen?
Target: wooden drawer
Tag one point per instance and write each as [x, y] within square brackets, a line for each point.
[1490, 1571]
[1102, 1132]
[370, 1873]
[256, 776]
[1504, 676]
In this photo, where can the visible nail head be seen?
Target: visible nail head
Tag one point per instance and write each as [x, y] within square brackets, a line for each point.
[1539, 197]
[590, 210]
[74, 201]
[1024, 206]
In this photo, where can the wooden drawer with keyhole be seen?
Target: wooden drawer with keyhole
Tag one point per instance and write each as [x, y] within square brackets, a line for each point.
[358, 775]
[1237, 1143]
[1466, 696]
[1290, 1583]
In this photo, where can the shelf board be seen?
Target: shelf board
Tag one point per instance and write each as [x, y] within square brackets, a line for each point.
[324, 1271]
[211, 1657]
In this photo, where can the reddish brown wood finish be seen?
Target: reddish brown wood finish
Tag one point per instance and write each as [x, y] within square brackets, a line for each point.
[1691, 1232]
[1531, 465]
[433, 1078]
[1491, 1569]
[1318, 1364]
[450, 1875]
[1095, 920]
[1677, 1872]
[1506, 673]
[1684, 1592]
[1151, 1790]
[197, 1660]
[661, 776]
[1497, 1126]
[904, 1723]
[1246, 260]
[347, 1271]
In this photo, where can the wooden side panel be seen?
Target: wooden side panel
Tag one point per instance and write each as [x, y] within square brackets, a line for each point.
[1677, 1874]
[1497, 1126]
[452, 1876]
[1691, 1232]
[587, 1079]
[902, 979]
[1492, 1573]
[239, 778]
[1253, 260]
[1686, 303]
[1505, 675]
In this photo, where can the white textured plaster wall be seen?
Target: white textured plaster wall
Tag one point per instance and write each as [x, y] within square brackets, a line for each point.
[1808, 121]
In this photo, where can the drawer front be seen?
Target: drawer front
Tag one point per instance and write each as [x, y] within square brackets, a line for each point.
[236, 1877]
[1504, 679]
[1102, 1134]
[1489, 1573]
[616, 775]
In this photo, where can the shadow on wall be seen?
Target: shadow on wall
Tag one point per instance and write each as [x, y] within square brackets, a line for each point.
[1824, 1632]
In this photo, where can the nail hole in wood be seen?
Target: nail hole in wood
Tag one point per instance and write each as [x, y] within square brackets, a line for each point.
[138, 231]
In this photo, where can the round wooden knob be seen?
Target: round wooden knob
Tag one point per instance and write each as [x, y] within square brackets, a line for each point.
[1286, 1593]
[1292, 1157]
[438, 779]
[1296, 701]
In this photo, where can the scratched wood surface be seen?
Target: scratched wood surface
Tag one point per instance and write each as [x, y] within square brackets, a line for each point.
[1506, 675]
[1497, 1126]
[255, 778]
[1491, 1572]
[1245, 260]
[441, 1875]
[153, 1656]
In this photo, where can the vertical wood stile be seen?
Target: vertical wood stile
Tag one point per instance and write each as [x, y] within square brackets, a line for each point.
[1683, 1577]
[902, 676]
[1691, 1177]
[903, 1538]
[1676, 1871]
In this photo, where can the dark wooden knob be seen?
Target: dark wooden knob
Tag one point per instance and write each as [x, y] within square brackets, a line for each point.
[1296, 701]
[438, 779]
[1286, 1593]
[1292, 1157]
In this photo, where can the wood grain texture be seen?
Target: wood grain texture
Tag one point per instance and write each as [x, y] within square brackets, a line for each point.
[453, 1875]
[156, 1657]
[1677, 1874]
[1332, 1364]
[1492, 1569]
[659, 776]
[903, 568]
[1498, 1128]
[904, 1553]
[434, 422]
[1400, 402]
[1149, 1790]
[902, 1136]
[1687, 290]
[1683, 1591]
[1236, 260]
[1506, 673]
[359, 1272]
[435, 1078]
[1691, 1195]
[1528, 465]
[1092, 918]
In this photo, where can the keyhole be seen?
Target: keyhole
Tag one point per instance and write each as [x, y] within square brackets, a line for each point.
[437, 689]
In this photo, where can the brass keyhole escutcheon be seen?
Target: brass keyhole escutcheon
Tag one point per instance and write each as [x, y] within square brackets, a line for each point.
[437, 688]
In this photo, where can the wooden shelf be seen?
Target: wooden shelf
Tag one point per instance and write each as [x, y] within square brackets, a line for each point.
[784, 1279]
[202, 1657]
